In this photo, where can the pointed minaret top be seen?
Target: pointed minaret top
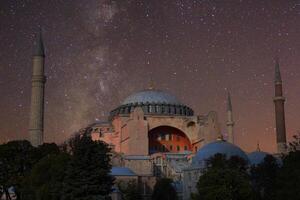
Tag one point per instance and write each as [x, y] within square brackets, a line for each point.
[277, 72]
[229, 105]
[39, 45]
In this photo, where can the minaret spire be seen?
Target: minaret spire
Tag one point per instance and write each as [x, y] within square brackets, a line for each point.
[277, 72]
[230, 122]
[279, 111]
[229, 105]
[36, 123]
[39, 45]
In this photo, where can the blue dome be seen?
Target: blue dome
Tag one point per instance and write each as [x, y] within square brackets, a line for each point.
[121, 171]
[213, 148]
[151, 96]
[257, 157]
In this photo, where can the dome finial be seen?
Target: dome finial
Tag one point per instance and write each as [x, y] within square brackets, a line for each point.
[220, 138]
[151, 84]
[257, 146]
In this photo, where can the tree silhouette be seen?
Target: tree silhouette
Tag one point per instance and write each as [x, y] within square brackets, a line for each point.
[164, 189]
[224, 179]
[87, 174]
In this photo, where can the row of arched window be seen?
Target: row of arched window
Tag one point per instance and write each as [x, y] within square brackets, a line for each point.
[162, 109]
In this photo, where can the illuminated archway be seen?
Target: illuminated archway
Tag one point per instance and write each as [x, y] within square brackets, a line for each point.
[168, 139]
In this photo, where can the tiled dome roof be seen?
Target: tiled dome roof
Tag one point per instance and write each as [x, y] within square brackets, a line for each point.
[151, 96]
[217, 147]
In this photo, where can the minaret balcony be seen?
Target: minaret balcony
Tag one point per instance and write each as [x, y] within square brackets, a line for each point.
[279, 98]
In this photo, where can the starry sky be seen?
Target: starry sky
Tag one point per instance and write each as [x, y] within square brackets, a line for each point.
[100, 51]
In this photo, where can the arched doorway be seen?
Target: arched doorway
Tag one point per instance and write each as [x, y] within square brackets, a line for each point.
[168, 139]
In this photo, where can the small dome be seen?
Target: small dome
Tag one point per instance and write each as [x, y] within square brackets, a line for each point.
[121, 171]
[217, 147]
[151, 96]
[257, 157]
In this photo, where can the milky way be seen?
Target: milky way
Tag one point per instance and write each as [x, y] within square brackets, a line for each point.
[99, 51]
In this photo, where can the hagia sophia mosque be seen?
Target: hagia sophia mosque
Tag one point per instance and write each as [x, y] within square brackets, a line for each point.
[153, 134]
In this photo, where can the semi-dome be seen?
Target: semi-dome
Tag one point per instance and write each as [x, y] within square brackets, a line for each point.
[151, 96]
[257, 157]
[217, 147]
[153, 102]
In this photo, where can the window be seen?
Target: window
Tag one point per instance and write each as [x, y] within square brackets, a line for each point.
[196, 149]
[164, 148]
[178, 148]
[170, 137]
[159, 138]
[171, 147]
[163, 136]
[167, 137]
[185, 148]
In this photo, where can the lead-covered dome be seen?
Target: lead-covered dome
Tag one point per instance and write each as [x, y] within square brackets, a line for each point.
[217, 147]
[151, 96]
[153, 102]
[257, 157]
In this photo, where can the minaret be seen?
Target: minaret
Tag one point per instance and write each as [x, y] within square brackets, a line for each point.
[279, 112]
[36, 123]
[230, 122]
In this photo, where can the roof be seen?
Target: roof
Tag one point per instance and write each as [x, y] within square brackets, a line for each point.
[100, 123]
[178, 186]
[218, 147]
[151, 96]
[257, 157]
[122, 171]
[137, 157]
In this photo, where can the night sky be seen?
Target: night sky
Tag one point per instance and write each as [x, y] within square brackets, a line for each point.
[99, 51]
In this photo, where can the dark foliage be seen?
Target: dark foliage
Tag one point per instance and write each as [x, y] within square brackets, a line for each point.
[46, 178]
[16, 161]
[263, 178]
[224, 180]
[87, 175]
[164, 189]
[288, 180]
[130, 190]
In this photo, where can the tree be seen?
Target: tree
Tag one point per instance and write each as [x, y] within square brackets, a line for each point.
[263, 178]
[164, 189]
[295, 144]
[87, 174]
[289, 174]
[129, 190]
[224, 180]
[15, 162]
[46, 178]
[45, 150]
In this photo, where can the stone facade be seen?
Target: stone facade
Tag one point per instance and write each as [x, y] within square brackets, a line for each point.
[154, 135]
[129, 134]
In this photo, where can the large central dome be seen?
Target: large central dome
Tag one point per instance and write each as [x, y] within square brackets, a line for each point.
[153, 102]
[151, 96]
